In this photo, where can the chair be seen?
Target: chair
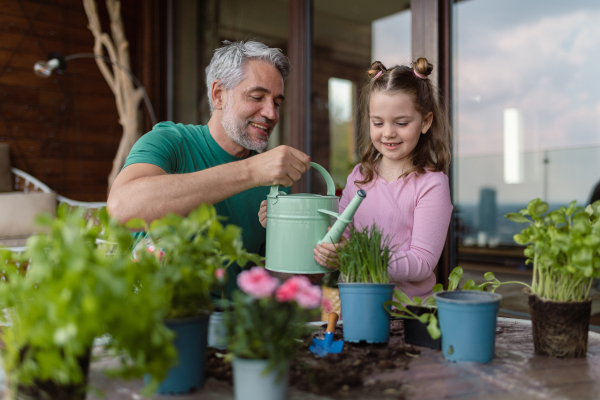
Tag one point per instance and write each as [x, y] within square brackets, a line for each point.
[29, 197]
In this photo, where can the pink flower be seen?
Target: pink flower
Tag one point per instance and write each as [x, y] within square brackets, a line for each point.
[300, 289]
[257, 282]
[287, 291]
[220, 274]
[309, 297]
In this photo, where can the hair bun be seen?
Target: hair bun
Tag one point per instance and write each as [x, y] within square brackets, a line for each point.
[422, 66]
[375, 69]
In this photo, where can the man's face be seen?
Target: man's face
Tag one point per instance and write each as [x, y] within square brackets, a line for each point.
[251, 109]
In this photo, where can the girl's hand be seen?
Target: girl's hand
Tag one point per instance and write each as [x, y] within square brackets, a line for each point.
[262, 214]
[326, 254]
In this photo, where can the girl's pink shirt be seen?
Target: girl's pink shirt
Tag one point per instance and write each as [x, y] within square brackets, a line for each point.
[415, 212]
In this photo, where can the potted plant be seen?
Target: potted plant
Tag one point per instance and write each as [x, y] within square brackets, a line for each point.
[420, 316]
[564, 247]
[75, 291]
[264, 328]
[193, 252]
[363, 263]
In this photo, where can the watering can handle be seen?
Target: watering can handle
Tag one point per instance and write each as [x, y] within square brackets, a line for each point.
[328, 179]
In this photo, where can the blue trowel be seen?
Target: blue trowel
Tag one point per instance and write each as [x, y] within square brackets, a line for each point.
[322, 347]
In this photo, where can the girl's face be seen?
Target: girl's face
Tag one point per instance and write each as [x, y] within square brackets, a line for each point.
[395, 128]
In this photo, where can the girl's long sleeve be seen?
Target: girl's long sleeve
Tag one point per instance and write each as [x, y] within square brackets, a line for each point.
[415, 212]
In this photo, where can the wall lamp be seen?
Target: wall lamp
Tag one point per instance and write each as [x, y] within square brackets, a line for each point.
[57, 62]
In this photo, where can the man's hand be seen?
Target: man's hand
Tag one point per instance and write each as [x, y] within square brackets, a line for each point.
[262, 214]
[281, 166]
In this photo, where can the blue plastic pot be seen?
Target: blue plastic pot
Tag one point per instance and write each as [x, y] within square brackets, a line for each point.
[468, 323]
[190, 341]
[363, 314]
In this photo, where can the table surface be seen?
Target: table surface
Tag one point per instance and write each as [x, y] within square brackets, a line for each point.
[515, 373]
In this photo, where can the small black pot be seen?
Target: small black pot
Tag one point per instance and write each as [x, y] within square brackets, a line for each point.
[415, 332]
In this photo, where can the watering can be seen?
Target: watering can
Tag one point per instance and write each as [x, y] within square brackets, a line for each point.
[296, 223]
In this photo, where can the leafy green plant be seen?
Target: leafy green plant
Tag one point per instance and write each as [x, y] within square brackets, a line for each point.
[564, 247]
[430, 318]
[365, 256]
[75, 291]
[268, 319]
[190, 250]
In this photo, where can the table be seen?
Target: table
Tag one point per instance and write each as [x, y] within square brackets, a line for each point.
[515, 373]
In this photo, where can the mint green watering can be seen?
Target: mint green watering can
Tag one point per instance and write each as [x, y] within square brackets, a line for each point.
[297, 222]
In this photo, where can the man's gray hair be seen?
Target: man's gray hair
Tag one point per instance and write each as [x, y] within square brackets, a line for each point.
[228, 63]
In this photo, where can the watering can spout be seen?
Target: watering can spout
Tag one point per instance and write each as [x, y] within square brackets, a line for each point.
[336, 231]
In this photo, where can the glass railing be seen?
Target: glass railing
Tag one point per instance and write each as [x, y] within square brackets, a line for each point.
[482, 197]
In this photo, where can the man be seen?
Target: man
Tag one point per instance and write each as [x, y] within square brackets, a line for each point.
[174, 168]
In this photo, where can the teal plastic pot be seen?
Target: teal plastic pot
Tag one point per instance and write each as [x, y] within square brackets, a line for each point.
[363, 314]
[467, 320]
[250, 384]
[190, 341]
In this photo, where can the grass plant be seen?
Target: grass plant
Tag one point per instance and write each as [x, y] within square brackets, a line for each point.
[366, 256]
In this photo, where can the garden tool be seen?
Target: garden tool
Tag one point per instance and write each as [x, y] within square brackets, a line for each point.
[297, 222]
[322, 347]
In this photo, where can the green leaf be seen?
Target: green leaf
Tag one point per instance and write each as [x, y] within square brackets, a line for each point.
[433, 329]
[515, 217]
[437, 288]
[136, 223]
[423, 318]
[489, 276]
[402, 297]
[520, 238]
[469, 285]
[454, 278]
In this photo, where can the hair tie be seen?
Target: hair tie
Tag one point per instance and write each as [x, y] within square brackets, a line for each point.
[418, 74]
[377, 76]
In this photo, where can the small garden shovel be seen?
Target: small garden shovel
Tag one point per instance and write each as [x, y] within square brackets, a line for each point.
[322, 347]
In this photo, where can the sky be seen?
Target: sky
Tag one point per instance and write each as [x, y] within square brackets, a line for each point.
[542, 58]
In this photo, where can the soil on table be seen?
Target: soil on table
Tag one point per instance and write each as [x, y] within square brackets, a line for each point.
[351, 373]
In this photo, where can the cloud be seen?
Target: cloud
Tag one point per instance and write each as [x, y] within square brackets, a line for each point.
[545, 67]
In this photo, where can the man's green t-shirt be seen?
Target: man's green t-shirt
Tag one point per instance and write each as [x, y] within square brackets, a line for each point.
[181, 149]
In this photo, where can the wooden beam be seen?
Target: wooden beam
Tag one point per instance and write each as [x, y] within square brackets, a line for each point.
[424, 33]
[431, 38]
[299, 83]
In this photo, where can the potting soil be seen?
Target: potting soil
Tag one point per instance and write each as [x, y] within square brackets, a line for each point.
[349, 374]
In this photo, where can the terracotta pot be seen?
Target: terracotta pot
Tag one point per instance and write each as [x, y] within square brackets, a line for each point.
[560, 329]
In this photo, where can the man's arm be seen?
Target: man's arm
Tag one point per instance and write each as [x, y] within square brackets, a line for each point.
[147, 191]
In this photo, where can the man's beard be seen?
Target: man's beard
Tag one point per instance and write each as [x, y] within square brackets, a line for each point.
[236, 129]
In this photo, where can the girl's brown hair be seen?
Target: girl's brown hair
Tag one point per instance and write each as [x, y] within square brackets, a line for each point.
[433, 149]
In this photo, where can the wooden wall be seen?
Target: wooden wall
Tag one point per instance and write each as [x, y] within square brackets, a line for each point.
[64, 129]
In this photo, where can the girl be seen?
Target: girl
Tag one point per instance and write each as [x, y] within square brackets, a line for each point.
[402, 167]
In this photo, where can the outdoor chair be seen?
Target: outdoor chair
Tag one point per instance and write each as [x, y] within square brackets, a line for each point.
[22, 197]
